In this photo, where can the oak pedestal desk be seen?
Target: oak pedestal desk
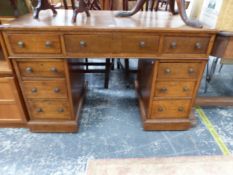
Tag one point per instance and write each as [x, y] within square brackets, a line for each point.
[172, 60]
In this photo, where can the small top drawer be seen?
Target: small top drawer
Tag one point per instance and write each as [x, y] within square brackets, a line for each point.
[88, 44]
[41, 68]
[179, 70]
[140, 44]
[185, 45]
[34, 43]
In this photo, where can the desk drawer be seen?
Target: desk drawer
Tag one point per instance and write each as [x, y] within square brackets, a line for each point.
[174, 88]
[185, 45]
[170, 109]
[41, 68]
[140, 44]
[49, 109]
[35, 43]
[89, 44]
[45, 89]
[6, 89]
[179, 70]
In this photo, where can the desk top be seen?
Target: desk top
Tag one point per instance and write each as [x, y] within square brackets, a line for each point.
[102, 20]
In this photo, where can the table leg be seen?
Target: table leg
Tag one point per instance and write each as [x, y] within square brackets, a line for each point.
[43, 5]
[182, 12]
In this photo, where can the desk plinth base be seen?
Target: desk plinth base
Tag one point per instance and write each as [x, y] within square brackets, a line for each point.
[177, 124]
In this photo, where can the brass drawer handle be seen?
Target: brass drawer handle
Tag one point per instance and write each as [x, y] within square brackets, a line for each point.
[21, 44]
[56, 90]
[181, 109]
[173, 45]
[60, 110]
[48, 44]
[198, 45]
[53, 69]
[191, 71]
[186, 89]
[82, 43]
[39, 110]
[163, 90]
[29, 70]
[167, 71]
[142, 44]
[160, 109]
[34, 90]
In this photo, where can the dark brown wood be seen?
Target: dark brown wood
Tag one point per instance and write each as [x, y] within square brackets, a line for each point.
[181, 6]
[43, 5]
[214, 101]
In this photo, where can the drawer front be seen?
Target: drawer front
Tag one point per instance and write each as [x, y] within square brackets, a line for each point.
[140, 44]
[88, 44]
[41, 68]
[45, 89]
[171, 109]
[6, 89]
[35, 43]
[185, 45]
[179, 70]
[49, 109]
[9, 112]
[174, 88]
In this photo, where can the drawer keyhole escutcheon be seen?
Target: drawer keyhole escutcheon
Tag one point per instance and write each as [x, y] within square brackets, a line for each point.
[160, 109]
[83, 44]
[60, 110]
[198, 45]
[21, 44]
[34, 90]
[167, 71]
[142, 44]
[48, 44]
[53, 69]
[191, 71]
[185, 89]
[163, 90]
[39, 110]
[173, 45]
[29, 70]
[181, 109]
[56, 90]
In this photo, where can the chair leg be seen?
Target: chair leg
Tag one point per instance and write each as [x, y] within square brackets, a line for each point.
[118, 63]
[86, 61]
[220, 68]
[127, 67]
[107, 72]
[113, 64]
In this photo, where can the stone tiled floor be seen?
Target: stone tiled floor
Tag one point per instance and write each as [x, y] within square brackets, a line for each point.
[110, 127]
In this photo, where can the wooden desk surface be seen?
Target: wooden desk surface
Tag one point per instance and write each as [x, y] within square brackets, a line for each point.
[103, 20]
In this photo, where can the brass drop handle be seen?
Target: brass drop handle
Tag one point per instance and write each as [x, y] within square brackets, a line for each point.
[173, 45]
[48, 44]
[142, 44]
[21, 44]
[160, 109]
[53, 69]
[82, 43]
[167, 71]
[60, 110]
[191, 71]
[198, 45]
[181, 109]
[34, 90]
[185, 89]
[163, 90]
[38, 110]
[29, 70]
[56, 90]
